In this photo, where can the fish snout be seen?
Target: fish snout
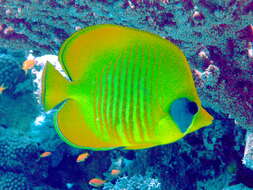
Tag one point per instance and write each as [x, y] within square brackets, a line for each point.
[202, 119]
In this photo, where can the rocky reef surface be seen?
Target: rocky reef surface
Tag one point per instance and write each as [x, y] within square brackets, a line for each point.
[216, 37]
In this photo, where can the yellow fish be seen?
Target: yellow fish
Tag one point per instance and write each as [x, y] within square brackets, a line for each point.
[127, 88]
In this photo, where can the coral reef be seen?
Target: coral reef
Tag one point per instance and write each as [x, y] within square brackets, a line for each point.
[10, 74]
[13, 181]
[221, 28]
[18, 91]
[236, 187]
[134, 183]
[15, 113]
[200, 157]
[20, 153]
[248, 152]
[15, 151]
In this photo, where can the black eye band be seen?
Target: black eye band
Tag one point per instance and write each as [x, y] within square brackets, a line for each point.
[192, 107]
[182, 111]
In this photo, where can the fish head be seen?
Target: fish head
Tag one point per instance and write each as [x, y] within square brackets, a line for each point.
[183, 117]
[201, 119]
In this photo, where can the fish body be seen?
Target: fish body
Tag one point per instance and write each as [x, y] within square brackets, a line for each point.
[127, 88]
[82, 157]
[2, 88]
[45, 154]
[96, 182]
[28, 64]
[115, 172]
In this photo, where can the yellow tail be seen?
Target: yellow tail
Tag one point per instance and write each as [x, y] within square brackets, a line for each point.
[54, 87]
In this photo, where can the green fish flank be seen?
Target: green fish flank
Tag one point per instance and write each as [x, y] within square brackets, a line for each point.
[123, 83]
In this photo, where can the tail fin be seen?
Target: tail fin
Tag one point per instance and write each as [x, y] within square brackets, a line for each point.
[54, 87]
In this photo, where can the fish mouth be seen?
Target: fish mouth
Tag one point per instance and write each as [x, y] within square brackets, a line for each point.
[202, 119]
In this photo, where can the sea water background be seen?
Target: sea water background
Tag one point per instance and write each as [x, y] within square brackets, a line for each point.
[216, 37]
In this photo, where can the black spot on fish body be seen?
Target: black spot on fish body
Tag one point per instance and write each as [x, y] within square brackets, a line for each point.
[192, 107]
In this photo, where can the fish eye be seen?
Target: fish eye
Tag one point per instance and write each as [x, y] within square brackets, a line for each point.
[192, 107]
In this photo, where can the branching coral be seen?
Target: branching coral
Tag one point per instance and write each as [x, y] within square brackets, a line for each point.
[18, 112]
[15, 151]
[10, 72]
[19, 160]
[136, 182]
[13, 181]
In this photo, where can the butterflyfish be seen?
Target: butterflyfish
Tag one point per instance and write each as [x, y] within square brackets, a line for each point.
[126, 88]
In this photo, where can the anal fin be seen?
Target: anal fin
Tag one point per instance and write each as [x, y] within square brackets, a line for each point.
[73, 128]
[140, 146]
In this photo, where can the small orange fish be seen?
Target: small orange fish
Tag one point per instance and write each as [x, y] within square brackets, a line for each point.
[45, 154]
[28, 64]
[96, 182]
[82, 157]
[115, 172]
[2, 88]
